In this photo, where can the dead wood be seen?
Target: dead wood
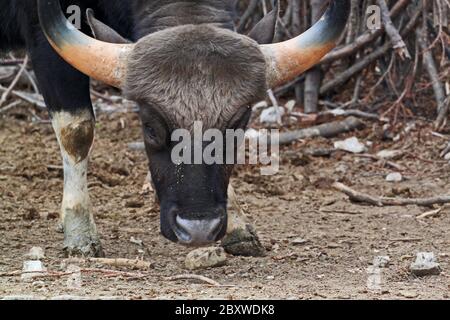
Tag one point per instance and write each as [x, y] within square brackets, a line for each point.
[327, 130]
[118, 262]
[386, 201]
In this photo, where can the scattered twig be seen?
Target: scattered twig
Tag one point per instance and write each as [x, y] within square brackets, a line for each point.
[428, 214]
[406, 239]
[6, 94]
[10, 106]
[386, 201]
[33, 99]
[392, 31]
[194, 277]
[119, 262]
[384, 161]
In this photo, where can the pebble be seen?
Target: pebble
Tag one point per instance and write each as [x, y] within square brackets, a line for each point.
[31, 269]
[299, 241]
[394, 177]
[381, 261]
[389, 154]
[447, 156]
[408, 294]
[352, 145]
[205, 258]
[36, 253]
[425, 265]
[271, 115]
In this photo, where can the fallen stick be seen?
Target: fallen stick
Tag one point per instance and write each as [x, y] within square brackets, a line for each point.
[326, 130]
[34, 99]
[10, 106]
[53, 274]
[194, 277]
[391, 30]
[385, 201]
[445, 151]
[428, 214]
[387, 162]
[119, 262]
[12, 62]
[8, 91]
[405, 239]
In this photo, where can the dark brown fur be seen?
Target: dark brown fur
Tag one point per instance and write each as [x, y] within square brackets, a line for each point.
[77, 139]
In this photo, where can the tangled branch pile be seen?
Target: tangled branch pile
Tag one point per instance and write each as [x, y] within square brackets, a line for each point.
[393, 57]
[394, 60]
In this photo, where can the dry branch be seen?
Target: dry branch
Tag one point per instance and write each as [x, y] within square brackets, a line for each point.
[194, 277]
[386, 201]
[392, 31]
[118, 262]
[327, 130]
[7, 92]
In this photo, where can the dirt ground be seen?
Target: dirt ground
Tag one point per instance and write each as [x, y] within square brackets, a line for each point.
[341, 238]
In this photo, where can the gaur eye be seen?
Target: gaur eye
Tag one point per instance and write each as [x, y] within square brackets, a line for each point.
[150, 132]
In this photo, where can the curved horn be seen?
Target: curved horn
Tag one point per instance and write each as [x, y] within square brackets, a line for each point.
[286, 60]
[100, 60]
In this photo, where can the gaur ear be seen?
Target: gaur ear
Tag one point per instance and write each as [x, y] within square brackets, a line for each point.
[101, 31]
[264, 31]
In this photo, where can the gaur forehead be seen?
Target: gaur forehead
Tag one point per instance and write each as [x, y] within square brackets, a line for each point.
[196, 73]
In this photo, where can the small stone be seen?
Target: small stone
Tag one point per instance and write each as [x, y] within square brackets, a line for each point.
[272, 114]
[136, 146]
[425, 265]
[270, 278]
[381, 261]
[205, 258]
[31, 269]
[74, 280]
[135, 241]
[389, 154]
[352, 145]
[447, 156]
[408, 294]
[394, 177]
[299, 241]
[36, 253]
[38, 284]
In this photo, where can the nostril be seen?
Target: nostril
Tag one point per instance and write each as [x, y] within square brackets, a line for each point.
[197, 231]
[181, 231]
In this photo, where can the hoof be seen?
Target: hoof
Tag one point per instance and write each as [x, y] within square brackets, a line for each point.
[85, 248]
[80, 234]
[243, 242]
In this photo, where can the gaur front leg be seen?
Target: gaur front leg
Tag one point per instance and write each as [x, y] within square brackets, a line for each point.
[67, 96]
[75, 133]
[241, 238]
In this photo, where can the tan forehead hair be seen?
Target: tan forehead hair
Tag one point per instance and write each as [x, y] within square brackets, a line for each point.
[196, 73]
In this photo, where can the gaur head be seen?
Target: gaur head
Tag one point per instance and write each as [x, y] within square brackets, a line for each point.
[190, 73]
